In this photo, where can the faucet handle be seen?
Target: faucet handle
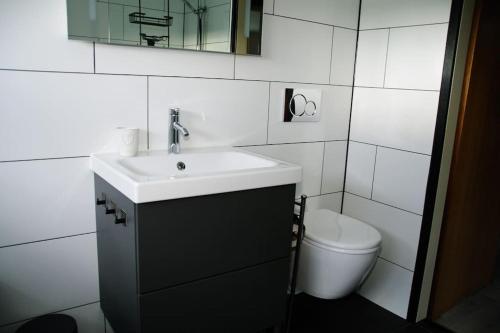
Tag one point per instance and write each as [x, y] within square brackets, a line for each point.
[175, 111]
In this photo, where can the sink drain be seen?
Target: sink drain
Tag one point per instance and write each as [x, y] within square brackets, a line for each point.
[181, 166]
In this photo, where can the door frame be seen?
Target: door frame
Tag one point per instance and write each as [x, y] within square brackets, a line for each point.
[457, 45]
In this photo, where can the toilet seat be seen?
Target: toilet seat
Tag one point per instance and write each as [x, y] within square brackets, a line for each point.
[340, 233]
[339, 250]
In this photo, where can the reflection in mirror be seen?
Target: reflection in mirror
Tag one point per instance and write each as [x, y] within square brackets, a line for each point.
[249, 26]
[229, 26]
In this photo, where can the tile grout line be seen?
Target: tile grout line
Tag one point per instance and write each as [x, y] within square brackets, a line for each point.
[309, 21]
[386, 56]
[44, 159]
[322, 169]
[268, 112]
[383, 203]
[323, 194]
[350, 108]
[392, 262]
[48, 239]
[387, 147]
[147, 113]
[170, 76]
[331, 57]
[393, 88]
[405, 26]
[238, 146]
[373, 174]
[287, 143]
[234, 67]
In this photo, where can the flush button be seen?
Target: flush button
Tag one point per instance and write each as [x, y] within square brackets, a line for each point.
[301, 105]
[310, 108]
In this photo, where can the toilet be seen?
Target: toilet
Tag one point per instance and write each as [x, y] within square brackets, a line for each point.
[337, 254]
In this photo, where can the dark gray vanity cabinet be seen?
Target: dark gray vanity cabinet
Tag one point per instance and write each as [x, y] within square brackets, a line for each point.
[214, 263]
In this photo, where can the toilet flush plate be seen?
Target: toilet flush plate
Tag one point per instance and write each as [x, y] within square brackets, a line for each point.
[302, 105]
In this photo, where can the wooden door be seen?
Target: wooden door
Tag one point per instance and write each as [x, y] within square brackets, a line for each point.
[471, 223]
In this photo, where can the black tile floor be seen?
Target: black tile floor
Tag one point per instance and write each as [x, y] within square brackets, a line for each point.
[352, 314]
[479, 312]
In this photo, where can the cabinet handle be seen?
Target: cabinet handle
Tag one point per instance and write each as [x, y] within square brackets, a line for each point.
[110, 210]
[101, 201]
[120, 217]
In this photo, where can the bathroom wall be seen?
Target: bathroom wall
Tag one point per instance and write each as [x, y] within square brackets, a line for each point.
[60, 101]
[398, 74]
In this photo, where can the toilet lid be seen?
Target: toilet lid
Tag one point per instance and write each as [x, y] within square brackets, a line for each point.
[335, 230]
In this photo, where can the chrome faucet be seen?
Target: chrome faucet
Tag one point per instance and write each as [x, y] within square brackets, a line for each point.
[174, 145]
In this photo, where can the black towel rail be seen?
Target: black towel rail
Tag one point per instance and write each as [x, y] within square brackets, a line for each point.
[298, 235]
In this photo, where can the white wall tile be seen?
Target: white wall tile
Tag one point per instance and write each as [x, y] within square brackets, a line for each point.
[342, 13]
[35, 36]
[61, 115]
[360, 168]
[43, 277]
[371, 57]
[45, 199]
[147, 61]
[393, 13]
[343, 56]
[400, 230]
[415, 57]
[332, 201]
[283, 58]
[334, 123]
[401, 119]
[216, 112]
[389, 286]
[334, 166]
[89, 318]
[307, 155]
[401, 179]
[269, 6]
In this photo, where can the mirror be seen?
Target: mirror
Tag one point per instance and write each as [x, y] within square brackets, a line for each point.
[228, 26]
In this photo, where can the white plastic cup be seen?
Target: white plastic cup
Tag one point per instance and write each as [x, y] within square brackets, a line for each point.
[128, 141]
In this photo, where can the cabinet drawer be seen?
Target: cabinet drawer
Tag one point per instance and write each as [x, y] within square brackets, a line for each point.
[193, 238]
[248, 300]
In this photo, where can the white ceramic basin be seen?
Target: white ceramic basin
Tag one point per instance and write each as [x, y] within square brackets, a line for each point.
[155, 175]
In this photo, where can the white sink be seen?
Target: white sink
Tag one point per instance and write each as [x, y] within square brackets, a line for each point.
[156, 175]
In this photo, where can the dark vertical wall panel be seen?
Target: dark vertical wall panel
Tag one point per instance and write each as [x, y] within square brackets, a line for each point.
[437, 151]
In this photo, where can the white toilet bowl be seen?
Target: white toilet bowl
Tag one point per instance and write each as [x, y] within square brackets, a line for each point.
[337, 254]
